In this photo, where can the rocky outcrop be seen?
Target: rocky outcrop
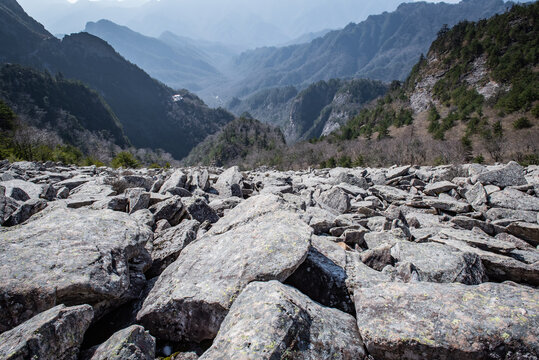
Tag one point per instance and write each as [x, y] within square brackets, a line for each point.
[407, 262]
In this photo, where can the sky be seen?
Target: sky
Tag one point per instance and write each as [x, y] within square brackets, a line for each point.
[244, 23]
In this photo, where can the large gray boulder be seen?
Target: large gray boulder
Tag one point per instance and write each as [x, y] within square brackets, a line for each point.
[25, 211]
[230, 183]
[511, 174]
[131, 343]
[322, 276]
[167, 245]
[270, 320]
[54, 334]
[440, 263]
[335, 200]
[30, 189]
[449, 321]
[176, 179]
[7, 207]
[514, 199]
[73, 256]
[193, 295]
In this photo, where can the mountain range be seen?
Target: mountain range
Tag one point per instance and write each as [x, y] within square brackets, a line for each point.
[152, 114]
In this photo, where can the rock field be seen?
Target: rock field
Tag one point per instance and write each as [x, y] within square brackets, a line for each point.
[207, 263]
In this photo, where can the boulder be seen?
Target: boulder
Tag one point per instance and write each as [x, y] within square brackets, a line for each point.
[334, 200]
[132, 343]
[448, 205]
[54, 334]
[510, 175]
[138, 199]
[439, 187]
[170, 209]
[514, 199]
[230, 183]
[525, 231]
[7, 207]
[221, 206]
[440, 263]
[198, 209]
[71, 256]
[512, 215]
[477, 196]
[448, 321]
[389, 193]
[167, 245]
[397, 172]
[322, 276]
[25, 211]
[24, 190]
[193, 295]
[270, 320]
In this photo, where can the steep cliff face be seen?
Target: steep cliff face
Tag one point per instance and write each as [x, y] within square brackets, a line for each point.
[318, 110]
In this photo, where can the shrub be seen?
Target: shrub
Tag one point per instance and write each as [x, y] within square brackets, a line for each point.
[126, 160]
[522, 123]
[479, 159]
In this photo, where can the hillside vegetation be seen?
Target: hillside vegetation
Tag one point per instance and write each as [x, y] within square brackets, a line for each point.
[242, 141]
[317, 110]
[473, 97]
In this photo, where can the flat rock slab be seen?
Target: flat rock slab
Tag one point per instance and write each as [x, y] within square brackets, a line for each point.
[31, 189]
[449, 321]
[511, 174]
[65, 255]
[514, 199]
[54, 334]
[270, 320]
[440, 263]
[193, 295]
[132, 343]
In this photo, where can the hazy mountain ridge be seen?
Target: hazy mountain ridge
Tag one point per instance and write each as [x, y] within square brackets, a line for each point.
[150, 116]
[383, 47]
[178, 67]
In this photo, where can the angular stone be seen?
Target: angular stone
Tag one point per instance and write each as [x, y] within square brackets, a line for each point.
[469, 223]
[116, 203]
[440, 263]
[453, 206]
[48, 193]
[171, 209]
[138, 199]
[449, 321]
[198, 209]
[477, 196]
[270, 320]
[378, 258]
[70, 256]
[389, 193]
[398, 171]
[322, 276]
[230, 182]
[439, 187]
[221, 206]
[25, 211]
[478, 240]
[321, 220]
[7, 207]
[377, 239]
[525, 231]
[334, 199]
[136, 181]
[510, 175]
[513, 215]
[498, 267]
[54, 334]
[167, 245]
[514, 199]
[30, 190]
[132, 343]
[193, 295]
